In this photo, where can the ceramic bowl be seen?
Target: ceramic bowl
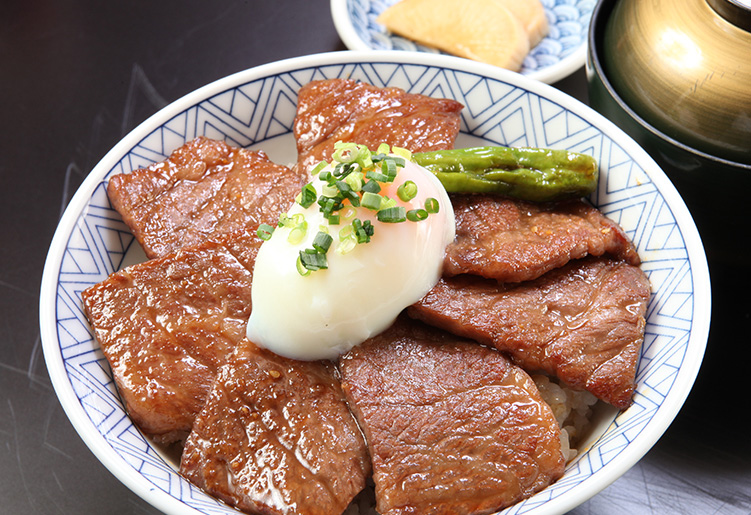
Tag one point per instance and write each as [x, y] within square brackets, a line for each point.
[256, 109]
[713, 186]
[559, 54]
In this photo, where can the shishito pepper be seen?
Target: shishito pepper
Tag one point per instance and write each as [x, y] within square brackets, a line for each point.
[535, 174]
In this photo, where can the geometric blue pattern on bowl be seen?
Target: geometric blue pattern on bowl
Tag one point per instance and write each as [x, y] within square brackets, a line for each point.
[560, 53]
[256, 108]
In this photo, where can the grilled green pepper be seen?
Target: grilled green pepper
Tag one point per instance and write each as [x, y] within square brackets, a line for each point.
[535, 174]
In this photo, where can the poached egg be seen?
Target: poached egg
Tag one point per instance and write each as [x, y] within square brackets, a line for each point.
[325, 313]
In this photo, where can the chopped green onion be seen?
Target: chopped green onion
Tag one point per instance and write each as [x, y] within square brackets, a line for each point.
[291, 221]
[376, 176]
[387, 202]
[354, 180]
[389, 169]
[301, 268]
[313, 260]
[347, 239]
[392, 215]
[344, 152]
[431, 205]
[348, 213]
[322, 242]
[265, 231]
[348, 193]
[329, 191]
[320, 166]
[307, 196]
[371, 186]
[355, 174]
[417, 215]
[363, 230]
[297, 233]
[328, 205]
[342, 170]
[371, 201]
[407, 191]
[402, 152]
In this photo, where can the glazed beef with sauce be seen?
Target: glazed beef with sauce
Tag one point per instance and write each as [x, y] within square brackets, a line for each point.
[205, 189]
[167, 324]
[512, 240]
[276, 437]
[347, 110]
[453, 427]
[583, 323]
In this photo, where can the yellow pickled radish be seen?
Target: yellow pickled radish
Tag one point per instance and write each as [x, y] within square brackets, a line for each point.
[481, 30]
[531, 14]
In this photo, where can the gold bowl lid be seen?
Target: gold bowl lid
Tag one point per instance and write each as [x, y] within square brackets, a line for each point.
[685, 67]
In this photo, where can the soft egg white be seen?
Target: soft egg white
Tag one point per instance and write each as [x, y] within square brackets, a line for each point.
[326, 313]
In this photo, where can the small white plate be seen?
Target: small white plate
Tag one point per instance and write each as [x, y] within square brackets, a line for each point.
[560, 54]
[256, 109]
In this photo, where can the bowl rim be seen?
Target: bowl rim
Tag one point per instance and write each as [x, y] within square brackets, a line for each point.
[549, 74]
[594, 67]
[566, 501]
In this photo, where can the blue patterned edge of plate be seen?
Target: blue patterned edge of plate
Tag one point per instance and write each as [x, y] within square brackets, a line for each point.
[258, 105]
[559, 54]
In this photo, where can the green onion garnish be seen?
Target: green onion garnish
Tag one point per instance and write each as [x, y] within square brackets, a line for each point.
[301, 268]
[352, 179]
[297, 233]
[431, 205]
[371, 186]
[392, 215]
[323, 241]
[317, 168]
[417, 215]
[389, 168]
[313, 260]
[355, 180]
[377, 176]
[307, 196]
[362, 230]
[265, 231]
[407, 191]
[348, 193]
[371, 201]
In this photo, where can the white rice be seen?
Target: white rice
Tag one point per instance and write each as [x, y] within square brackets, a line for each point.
[572, 410]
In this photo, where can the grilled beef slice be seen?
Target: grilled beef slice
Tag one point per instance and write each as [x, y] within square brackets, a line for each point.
[347, 110]
[166, 325]
[205, 189]
[511, 240]
[453, 427]
[583, 323]
[276, 437]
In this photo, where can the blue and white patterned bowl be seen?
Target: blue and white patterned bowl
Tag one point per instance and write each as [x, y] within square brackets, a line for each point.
[560, 53]
[255, 109]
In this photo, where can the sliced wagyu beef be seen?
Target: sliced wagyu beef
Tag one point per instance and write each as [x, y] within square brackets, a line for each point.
[165, 326]
[347, 110]
[512, 240]
[276, 437]
[583, 323]
[453, 427]
[204, 190]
